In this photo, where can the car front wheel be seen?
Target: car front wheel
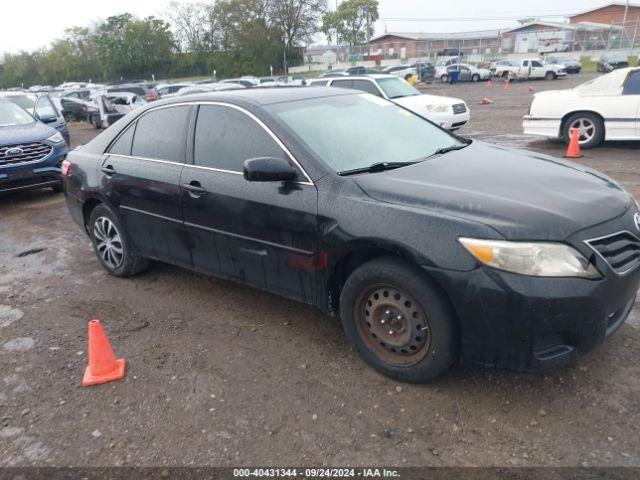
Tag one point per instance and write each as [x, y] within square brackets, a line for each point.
[398, 322]
[590, 129]
[475, 77]
[444, 78]
[112, 245]
[550, 76]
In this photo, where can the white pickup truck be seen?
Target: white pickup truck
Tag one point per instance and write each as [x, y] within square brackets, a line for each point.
[529, 68]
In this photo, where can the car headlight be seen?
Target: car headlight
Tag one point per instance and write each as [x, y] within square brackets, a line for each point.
[56, 138]
[438, 108]
[528, 258]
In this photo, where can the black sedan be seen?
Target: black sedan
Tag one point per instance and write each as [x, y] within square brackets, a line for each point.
[610, 62]
[434, 250]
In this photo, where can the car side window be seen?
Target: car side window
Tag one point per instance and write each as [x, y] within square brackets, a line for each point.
[536, 64]
[366, 86]
[632, 85]
[160, 134]
[226, 137]
[45, 109]
[342, 83]
[122, 146]
[322, 83]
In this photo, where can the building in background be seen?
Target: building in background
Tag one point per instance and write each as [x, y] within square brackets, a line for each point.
[613, 12]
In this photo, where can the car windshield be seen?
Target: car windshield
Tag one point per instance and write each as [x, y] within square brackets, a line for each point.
[397, 88]
[23, 101]
[610, 84]
[349, 132]
[12, 115]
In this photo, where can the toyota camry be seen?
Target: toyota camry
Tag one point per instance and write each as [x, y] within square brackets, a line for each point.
[434, 250]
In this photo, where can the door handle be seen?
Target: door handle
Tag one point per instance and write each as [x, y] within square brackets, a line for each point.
[109, 170]
[194, 189]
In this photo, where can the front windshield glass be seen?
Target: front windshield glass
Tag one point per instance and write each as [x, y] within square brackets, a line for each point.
[397, 88]
[12, 115]
[348, 132]
[23, 101]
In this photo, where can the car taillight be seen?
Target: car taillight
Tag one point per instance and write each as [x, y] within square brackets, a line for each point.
[65, 168]
[151, 96]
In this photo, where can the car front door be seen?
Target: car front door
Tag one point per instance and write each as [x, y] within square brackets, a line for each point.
[538, 70]
[260, 233]
[141, 180]
[465, 74]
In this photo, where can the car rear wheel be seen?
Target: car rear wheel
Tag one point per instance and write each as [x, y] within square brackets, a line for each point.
[112, 245]
[444, 78]
[398, 322]
[475, 77]
[590, 129]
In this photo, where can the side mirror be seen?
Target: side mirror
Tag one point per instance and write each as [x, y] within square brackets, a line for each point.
[47, 118]
[268, 169]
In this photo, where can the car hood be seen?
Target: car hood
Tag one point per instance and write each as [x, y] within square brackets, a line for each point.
[522, 195]
[33, 132]
[415, 101]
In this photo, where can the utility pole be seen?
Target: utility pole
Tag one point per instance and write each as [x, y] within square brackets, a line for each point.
[337, 39]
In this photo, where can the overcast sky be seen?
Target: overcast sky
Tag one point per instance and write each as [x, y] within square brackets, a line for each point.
[28, 24]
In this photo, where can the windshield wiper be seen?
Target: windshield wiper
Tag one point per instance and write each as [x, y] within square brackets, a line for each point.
[376, 167]
[450, 148]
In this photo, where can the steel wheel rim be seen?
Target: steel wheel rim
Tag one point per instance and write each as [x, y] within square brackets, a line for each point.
[586, 129]
[393, 324]
[108, 242]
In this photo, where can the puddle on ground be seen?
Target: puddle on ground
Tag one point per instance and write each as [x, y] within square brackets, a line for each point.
[9, 315]
[20, 344]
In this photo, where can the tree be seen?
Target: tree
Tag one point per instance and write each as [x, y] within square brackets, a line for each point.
[126, 46]
[353, 21]
[298, 20]
[191, 24]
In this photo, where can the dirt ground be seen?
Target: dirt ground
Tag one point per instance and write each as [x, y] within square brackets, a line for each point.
[221, 374]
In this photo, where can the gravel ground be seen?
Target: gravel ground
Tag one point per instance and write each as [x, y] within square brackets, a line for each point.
[221, 374]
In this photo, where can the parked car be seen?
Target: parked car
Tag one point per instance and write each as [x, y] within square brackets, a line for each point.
[211, 87]
[467, 73]
[503, 62]
[530, 69]
[41, 107]
[447, 112]
[333, 73]
[72, 109]
[403, 71]
[30, 151]
[605, 108]
[451, 52]
[349, 71]
[612, 61]
[111, 107]
[245, 82]
[434, 250]
[169, 90]
[571, 65]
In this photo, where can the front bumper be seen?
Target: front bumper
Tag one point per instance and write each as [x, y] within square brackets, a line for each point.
[541, 126]
[449, 120]
[33, 175]
[525, 323]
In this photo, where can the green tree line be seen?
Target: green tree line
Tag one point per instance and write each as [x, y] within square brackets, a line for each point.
[232, 37]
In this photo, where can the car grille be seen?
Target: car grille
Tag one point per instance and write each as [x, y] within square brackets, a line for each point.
[459, 108]
[621, 251]
[23, 152]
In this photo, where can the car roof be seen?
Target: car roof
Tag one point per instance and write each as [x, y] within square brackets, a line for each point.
[371, 76]
[262, 96]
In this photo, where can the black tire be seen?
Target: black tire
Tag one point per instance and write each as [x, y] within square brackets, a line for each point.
[475, 77]
[68, 117]
[444, 78]
[598, 134]
[430, 315]
[131, 262]
[550, 76]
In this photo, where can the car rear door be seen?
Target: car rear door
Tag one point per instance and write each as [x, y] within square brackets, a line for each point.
[631, 96]
[260, 233]
[141, 180]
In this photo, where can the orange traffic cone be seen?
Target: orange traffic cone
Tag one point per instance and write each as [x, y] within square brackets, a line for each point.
[485, 101]
[530, 88]
[103, 366]
[506, 85]
[489, 83]
[573, 150]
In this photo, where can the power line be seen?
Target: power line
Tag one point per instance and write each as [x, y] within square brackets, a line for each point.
[464, 19]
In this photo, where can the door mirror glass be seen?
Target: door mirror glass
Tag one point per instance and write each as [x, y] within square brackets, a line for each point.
[47, 118]
[268, 169]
